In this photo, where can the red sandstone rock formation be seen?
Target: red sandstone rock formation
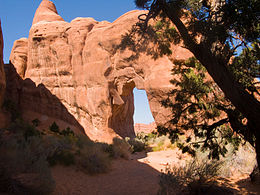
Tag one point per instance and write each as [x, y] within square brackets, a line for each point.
[2, 80]
[46, 12]
[77, 63]
[2, 74]
[18, 56]
[145, 128]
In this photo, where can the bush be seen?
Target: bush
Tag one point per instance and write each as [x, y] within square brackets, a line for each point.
[194, 177]
[63, 157]
[21, 128]
[54, 128]
[23, 166]
[120, 149]
[93, 160]
[36, 122]
[31, 131]
[67, 132]
[83, 141]
[137, 145]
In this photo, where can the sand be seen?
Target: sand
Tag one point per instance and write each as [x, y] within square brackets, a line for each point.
[139, 175]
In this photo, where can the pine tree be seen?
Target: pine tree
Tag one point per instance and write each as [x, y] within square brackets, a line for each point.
[214, 31]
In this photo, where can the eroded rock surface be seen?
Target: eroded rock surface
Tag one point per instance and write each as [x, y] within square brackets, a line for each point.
[46, 12]
[145, 128]
[2, 74]
[2, 80]
[77, 63]
[19, 54]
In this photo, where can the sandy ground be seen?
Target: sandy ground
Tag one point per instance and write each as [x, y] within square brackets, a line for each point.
[139, 175]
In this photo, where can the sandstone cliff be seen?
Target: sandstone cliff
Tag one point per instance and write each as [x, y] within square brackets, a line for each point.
[2, 74]
[76, 62]
[2, 79]
[145, 128]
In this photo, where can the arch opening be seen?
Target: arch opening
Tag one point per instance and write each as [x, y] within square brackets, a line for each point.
[143, 118]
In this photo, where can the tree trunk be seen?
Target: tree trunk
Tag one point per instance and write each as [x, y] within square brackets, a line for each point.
[255, 175]
[257, 149]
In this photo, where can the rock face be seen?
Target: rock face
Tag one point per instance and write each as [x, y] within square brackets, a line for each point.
[2, 74]
[46, 12]
[18, 56]
[145, 128]
[77, 63]
[2, 79]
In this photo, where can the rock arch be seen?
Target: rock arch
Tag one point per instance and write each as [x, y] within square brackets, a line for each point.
[77, 63]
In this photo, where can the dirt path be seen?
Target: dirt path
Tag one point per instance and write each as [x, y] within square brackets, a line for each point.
[140, 175]
[126, 177]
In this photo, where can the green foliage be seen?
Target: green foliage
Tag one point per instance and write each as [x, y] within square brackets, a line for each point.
[142, 3]
[162, 34]
[198, 105]
[54, 128]
[215, 32]
[137, 144]
[67, 132]
[246, 67]
[159, 146]
[243, 18]
[220, 29]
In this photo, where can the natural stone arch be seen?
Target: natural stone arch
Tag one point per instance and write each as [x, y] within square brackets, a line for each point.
[77, 63]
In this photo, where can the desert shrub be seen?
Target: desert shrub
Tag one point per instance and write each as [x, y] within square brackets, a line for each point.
[93, 160]
[54, 128]
[23, 166]
[64, 157]
[67, 132]
[36, 122]
[242, 161]
[83, 141]
[120, 149]
[152, 135]
[107, 148]
[194, 177]
[159, 146]
[137, 145]
[149, 141]
[22, 128]
[31, 131]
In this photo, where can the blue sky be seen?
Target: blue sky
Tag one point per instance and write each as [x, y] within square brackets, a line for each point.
[17, 16]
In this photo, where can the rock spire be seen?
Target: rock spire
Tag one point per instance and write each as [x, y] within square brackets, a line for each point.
[46, 12]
